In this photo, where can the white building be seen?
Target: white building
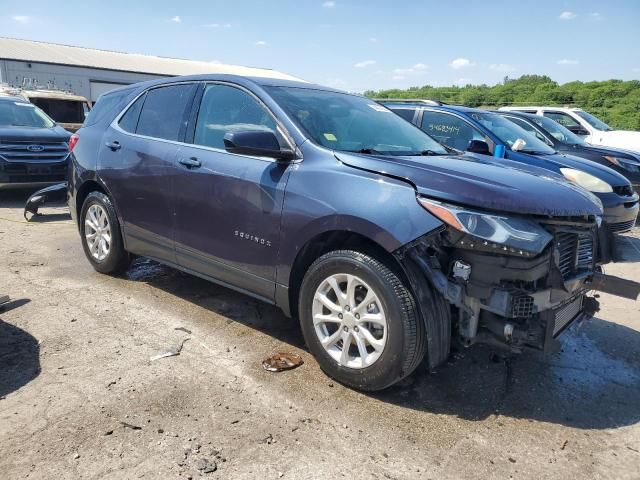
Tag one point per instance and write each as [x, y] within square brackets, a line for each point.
[90, 72]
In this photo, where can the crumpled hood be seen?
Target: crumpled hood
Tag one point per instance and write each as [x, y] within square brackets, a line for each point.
[481, 182]
[53, 134]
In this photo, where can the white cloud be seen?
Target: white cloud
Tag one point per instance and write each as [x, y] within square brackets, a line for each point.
[461, 82]
[261, 43]
[418, 68]
[461, 63]
[566, 61]
[567, 15]
[364, 63]
[176, 19]
[398, 77]
[24, 19]
[595, 15]
[329, 4]
[217, 25]
[502, 67]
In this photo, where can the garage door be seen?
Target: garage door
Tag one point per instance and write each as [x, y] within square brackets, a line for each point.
[98, 88]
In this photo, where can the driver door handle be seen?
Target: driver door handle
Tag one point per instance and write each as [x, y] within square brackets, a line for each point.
[192, 162]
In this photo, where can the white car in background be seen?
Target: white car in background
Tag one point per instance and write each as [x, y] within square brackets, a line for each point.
[592, 129]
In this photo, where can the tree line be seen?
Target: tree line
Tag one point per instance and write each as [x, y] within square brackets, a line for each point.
[616, 102]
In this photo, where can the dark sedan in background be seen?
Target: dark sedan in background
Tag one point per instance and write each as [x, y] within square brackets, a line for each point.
[563, 140]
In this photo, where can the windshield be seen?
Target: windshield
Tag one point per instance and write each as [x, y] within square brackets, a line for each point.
[593, 121]
[351, 123]
[508, 132]
[559, 132]
[23, 114]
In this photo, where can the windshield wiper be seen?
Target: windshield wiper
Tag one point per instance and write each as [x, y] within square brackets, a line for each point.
[426, 153]
[366, 151]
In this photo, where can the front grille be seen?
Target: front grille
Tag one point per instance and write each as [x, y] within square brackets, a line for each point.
[26, 151]
[566, 313]
[624, 190]
[522, 306]
[622, 226]
[575, 252]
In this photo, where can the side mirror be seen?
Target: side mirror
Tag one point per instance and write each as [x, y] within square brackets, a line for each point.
[478, 146]
[578, 130]
[257, 143]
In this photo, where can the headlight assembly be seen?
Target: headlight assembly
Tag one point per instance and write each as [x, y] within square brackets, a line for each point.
[491, 231]
[626, 163]
[586, 180]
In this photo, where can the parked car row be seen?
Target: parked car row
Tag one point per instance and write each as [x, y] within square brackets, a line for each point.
[481, 131]
[389, 242]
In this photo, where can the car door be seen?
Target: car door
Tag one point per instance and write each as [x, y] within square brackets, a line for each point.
[137, 164]
[228, 206]
[450, 130]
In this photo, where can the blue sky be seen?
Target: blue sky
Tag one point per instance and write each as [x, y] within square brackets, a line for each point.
[357, 44]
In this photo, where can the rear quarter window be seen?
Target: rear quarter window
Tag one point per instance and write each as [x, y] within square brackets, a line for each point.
[108, 106]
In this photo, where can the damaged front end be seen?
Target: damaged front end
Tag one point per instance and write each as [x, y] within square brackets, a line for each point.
[509, 281]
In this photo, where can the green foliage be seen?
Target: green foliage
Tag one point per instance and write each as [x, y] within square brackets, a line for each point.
[614, 101]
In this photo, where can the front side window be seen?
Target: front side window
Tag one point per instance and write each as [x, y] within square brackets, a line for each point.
[508, 133]
[163, 113]
[450, 130]
[23, 114]
[352, 123]
[228, 109]
[562, 118]
[595, 122]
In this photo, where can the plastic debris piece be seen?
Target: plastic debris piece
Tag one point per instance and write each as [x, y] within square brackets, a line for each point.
[170, 353]
[282, 361]
[182, 329]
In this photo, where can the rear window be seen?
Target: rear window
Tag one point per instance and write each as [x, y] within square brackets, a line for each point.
[62, 111]
[108, 105]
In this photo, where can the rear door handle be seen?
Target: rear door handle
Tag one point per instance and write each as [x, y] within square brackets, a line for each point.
[115, 145]
[192, 162]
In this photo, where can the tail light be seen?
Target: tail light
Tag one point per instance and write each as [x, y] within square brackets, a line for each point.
[72, 141]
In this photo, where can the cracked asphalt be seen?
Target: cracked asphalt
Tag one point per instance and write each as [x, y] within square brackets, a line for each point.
[80, 397]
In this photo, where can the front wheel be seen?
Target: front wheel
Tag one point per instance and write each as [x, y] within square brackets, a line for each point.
[101, 237]
[360, 321]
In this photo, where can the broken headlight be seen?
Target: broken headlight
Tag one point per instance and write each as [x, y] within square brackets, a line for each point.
[491, 231]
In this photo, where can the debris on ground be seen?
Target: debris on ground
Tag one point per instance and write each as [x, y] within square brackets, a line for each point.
[132, 427]
[170, 353]
[182, 329]
[564, 444]
[4, 299]
[282, 361]
[206, 466]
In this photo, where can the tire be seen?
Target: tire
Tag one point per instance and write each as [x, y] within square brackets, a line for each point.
[397, 326]
[114, 258]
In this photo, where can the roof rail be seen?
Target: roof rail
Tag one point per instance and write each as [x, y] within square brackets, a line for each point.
[410, 100]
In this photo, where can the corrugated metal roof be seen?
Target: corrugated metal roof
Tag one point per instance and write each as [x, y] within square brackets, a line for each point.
[33, 51]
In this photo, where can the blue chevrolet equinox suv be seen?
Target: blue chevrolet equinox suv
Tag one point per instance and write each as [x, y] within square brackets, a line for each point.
[384, 245]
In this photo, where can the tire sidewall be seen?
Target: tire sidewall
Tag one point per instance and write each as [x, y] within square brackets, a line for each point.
[388, 368]
[113, 260]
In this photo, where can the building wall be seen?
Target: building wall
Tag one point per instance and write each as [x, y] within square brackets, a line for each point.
[75, 79]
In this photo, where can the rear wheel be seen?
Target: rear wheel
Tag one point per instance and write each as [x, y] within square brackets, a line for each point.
[359, 321]
[101, 237]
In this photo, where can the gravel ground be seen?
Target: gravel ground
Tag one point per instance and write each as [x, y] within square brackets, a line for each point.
[80, 397]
